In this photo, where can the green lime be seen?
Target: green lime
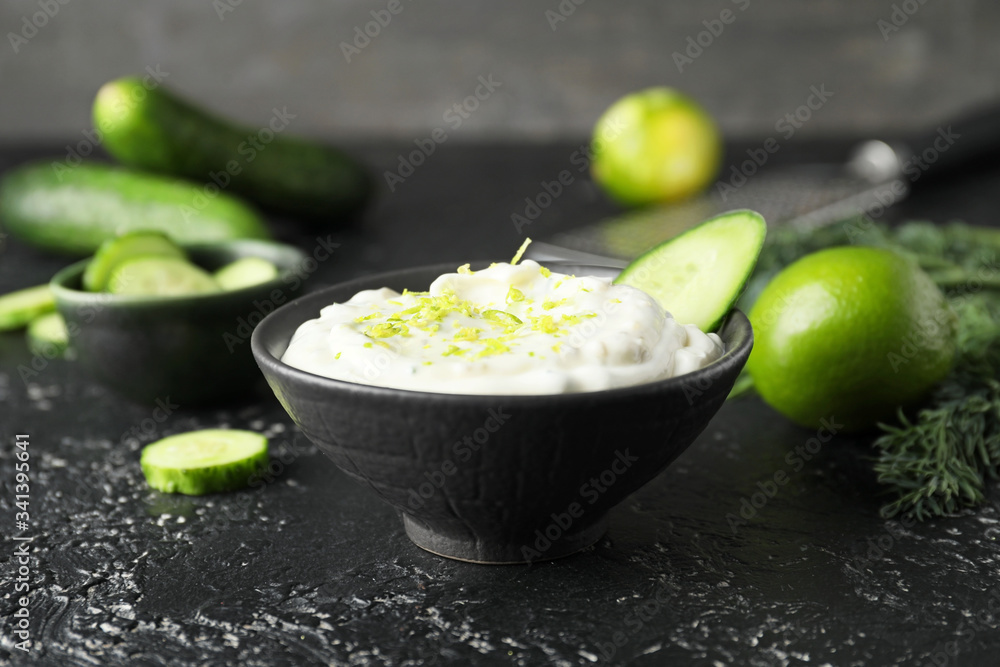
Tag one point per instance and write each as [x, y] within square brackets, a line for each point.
[655, 146]
[848, 335]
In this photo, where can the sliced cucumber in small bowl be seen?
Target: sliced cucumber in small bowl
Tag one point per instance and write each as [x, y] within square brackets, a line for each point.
[151, 340]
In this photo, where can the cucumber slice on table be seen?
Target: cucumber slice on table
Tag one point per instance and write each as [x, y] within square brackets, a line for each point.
[48, 335]
[698, 275]
[245, 272]
[202, 462]
[160, 276]
[114, 252]
[18, 309]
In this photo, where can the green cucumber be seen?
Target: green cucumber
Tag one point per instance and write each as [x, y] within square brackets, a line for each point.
[160, 276]
[698, 275]
[200, 462]
[18, 309]
[154, 129]
[73, 210]
[245, 272]
[115, 251]
[48, 335]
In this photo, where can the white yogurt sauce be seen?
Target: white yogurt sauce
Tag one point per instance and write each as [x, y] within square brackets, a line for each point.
[508, 329]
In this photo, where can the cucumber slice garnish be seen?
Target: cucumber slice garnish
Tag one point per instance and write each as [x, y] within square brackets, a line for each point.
[114, 252]
[245, 272]
[201, 462]
[698, 275]
[48, 335]
[18, 309]
[160, 276]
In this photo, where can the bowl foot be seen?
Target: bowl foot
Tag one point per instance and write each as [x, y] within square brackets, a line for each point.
[492, 553]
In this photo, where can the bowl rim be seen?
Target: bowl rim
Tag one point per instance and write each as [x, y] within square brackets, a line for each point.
[59, 283]
[734, 320]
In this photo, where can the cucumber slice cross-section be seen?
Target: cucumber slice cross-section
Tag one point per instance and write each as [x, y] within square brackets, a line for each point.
[114, 252]
[160, 276]
[245, 272]
[698, 275]
[48, 335]
[208, 461]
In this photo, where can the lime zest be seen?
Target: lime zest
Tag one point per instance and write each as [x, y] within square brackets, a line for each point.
[520, 252]
[544, 323]
[465, 270]
[385, 330]
[492, 346]
[514, 295]
[549, 305]
[467, 333]
[502, 317]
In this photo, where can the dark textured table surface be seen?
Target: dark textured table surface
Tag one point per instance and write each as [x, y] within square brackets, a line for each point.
[312, 569]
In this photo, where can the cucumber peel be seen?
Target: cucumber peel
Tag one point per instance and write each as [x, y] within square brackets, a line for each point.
[18, 309]
[245, 272]
[208, 461]
[698, 275]
[160, 276]
[116, 251]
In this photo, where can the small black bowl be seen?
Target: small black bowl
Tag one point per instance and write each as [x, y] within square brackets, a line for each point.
[495, 479]
[188, 349]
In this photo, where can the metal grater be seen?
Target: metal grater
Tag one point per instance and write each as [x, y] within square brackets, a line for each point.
[805, 196]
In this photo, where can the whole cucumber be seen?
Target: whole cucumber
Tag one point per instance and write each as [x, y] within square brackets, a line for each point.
[151, 128]
[73, 210]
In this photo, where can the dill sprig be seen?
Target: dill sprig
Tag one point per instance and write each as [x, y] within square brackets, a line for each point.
[940, 461]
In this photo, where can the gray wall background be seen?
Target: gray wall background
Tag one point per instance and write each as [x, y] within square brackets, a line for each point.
[244, 59]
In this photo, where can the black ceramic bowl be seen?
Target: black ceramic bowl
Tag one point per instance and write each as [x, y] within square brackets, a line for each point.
[188, 349]
[495, 479]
